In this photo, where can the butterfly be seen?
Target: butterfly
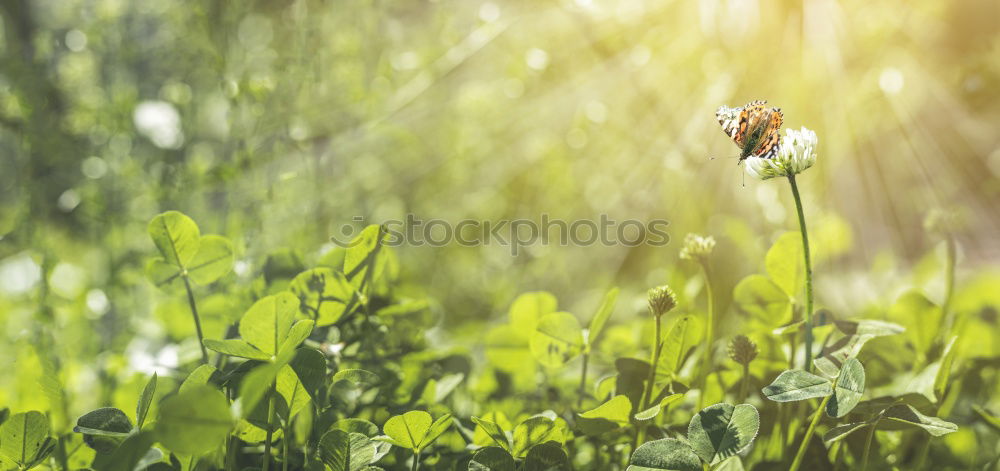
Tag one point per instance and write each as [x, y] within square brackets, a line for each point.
[753, 127]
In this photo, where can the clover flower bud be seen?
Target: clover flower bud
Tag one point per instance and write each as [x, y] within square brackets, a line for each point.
[742, 350]
[661, 300]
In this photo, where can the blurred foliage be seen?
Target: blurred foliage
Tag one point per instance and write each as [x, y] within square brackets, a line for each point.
[276, 124]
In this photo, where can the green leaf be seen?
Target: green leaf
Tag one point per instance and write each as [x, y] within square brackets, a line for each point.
[199, 377]
[557, 339]
[784, 263]
[674, 348]
[528, 308]
[296, 335]
[361, 426]
[654, 411]
[408, 430]
[733, 463]
[213, 260]
[309, 365]
[611, 415]
[601, 317]
[922, 316]
[266, 324]
[360, 378]
[490, 425]
[842, 431]
[325, 295]
[289, 387]
[176, 236]
[256, 384]
[765, 301]
[797, 385]
[871, 327]
[344, 451]
[145, 400]
[133, 451]
[236, 348]
[906, 415]
[531, 432]
[507, 348]
[944, 372]
[848, 390]
[439, 427]
[194, 422]
[361, 254]
[834, 355]
[722, 430]
[993, 420]
[492, 458]
[667, 454]
[103, 429]
[548, 456]
[23, 437]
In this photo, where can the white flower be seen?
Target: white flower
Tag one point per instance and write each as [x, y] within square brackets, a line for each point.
[797, 153]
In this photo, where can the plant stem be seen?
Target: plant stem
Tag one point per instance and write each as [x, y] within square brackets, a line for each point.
[706, 359]
[647, 395]
[949, 287]
[809, 434]
[868, 447]
[197, 320]
[416, 460]
[583, 379]
[267, 439]
[284, 449]
[806, 257]
[744, 384]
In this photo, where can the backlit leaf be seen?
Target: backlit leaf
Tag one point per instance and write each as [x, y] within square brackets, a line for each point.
[797, 385]
[722, 430]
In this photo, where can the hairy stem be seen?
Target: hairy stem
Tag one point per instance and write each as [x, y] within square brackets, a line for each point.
[808, 262]
[744, 384]
[647, 395]
[809, 434]
[197, 320]
[706, 359]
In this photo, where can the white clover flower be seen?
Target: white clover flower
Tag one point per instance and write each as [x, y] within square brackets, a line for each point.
[797, 153]
[697, 247]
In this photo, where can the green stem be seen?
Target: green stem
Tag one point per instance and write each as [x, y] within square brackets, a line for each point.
[197, 320]
[583, 380]
[416, 460]
[647, 395]
[706, 359]
[284, 449]
[267, 439]
[744, 384]
[806, 256]
[868, 447]
[949, 287]
[809, 434]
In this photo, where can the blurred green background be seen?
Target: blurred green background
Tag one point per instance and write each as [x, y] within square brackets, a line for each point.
[276, 123]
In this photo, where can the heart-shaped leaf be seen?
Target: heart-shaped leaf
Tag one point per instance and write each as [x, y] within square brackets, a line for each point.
[722, 430]
[492, 458]
[847, 393]
[797, 385]
[784, 263]
[345, 451]
[667, 454]
[176, 236]
[533, 431]
[765, 301]
[615, 413]
[325, 295]
[490, 425]
[548, 456]
[408, 430]
[557, 339]
[267, 323]
[103, 429]
[195, 421]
